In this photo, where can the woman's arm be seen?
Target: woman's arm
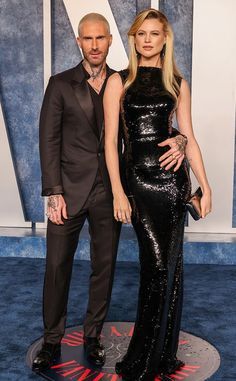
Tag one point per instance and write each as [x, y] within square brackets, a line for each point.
[193, 152]
[111, 102]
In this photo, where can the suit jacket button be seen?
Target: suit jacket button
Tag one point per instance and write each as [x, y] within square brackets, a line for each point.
[99, 154]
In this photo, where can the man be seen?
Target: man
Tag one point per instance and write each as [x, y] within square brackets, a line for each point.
[75, 179]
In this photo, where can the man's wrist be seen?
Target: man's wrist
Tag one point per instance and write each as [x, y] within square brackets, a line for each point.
[58, 189]
[185, 138]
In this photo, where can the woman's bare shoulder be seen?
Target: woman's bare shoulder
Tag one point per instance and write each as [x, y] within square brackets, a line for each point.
[115, 77]
[114, 82]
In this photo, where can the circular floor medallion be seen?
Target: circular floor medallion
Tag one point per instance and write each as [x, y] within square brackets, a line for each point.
[201, 359]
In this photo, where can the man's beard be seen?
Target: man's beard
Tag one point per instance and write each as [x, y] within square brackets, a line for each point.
[91, 62]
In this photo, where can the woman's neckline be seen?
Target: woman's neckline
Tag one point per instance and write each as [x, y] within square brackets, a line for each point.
[149, 67]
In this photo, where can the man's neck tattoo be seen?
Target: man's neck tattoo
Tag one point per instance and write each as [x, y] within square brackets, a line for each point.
[95, 73]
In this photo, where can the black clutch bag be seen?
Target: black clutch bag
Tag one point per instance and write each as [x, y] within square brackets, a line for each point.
[194, 205]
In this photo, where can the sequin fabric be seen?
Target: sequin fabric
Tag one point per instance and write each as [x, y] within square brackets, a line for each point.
[158, 200]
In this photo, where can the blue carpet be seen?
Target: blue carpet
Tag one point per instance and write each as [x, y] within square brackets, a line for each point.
[209, 308]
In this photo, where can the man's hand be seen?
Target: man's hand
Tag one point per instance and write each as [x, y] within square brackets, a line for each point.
[175, 155]
[56, 209]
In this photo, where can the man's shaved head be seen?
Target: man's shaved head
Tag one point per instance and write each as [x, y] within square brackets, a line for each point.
[93, 17]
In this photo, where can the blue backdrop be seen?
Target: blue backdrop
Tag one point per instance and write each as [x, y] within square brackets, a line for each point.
[21, 81]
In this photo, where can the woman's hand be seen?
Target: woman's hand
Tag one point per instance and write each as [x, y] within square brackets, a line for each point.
[122, 208]
[206, 203]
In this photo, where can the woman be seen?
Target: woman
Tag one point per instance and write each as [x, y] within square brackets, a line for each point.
[150, 91]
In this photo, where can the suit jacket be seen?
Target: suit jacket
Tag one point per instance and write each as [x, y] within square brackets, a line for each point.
[71, 149]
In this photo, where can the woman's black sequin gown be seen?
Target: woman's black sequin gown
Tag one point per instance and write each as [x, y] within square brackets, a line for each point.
[158, 201]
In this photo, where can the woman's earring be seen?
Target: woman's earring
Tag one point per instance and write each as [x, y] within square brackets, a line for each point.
[163, 52]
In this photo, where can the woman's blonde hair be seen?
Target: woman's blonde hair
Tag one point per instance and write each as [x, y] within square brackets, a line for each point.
[169, 68]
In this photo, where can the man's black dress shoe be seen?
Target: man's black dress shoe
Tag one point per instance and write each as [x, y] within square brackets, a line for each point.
[94, 351]
[46, 356]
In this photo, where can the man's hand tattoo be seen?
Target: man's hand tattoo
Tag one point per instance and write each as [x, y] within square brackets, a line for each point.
[53, 202]
[181, 141]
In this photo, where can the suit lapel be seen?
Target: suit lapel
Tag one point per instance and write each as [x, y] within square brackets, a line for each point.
[83, 96]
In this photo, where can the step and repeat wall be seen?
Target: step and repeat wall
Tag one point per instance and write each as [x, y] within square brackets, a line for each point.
[38, 40]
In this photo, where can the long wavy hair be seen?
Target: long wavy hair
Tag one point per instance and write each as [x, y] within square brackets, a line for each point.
[169, 68]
